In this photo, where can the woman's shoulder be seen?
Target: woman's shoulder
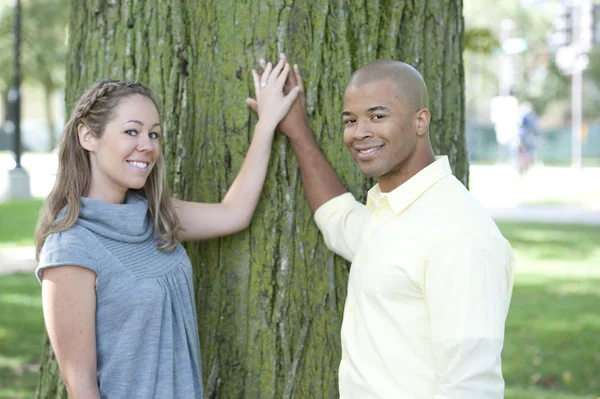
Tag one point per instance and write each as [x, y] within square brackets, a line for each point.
[73, 246]
[73, 236]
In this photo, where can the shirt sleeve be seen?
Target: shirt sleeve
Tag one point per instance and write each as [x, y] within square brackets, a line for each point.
[67, 248]
[468, 286]
[341, 220]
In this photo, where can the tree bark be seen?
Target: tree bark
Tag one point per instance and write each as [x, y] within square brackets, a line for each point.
[269, 299]
[48, 91]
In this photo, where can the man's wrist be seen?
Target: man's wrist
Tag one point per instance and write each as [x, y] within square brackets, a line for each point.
[300, 133]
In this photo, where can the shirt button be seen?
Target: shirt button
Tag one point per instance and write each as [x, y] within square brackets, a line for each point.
[345, 356]
[350, 308]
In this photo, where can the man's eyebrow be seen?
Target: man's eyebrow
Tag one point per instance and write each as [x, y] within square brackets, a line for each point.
[378, 108]
[346, 113]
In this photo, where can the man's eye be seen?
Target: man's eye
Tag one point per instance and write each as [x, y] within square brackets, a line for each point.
[348, 121]
[131, 132]
[154, 135]
[378, 116]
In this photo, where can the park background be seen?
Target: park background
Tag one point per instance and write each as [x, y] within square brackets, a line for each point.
[550, 214]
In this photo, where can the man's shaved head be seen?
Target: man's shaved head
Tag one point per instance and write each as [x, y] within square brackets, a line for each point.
[411, 86]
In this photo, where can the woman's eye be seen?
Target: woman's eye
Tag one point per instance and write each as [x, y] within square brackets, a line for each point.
[131, 132]
[154, 135]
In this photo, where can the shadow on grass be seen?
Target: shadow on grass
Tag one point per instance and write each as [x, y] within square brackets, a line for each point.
[21, 332]
[551, 241]
[552, 345]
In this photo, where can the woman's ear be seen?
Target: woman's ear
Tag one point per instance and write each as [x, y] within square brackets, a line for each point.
[86, 138]
[422, 118]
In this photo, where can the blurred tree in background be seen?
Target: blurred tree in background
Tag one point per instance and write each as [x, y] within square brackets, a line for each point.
[43, 50]
[480, 40]
[537, 79]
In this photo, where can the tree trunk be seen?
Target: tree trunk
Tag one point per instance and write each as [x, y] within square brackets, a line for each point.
[48, 91]
[269, 299]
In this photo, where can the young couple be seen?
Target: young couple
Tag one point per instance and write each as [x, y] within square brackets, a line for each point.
[431, 276]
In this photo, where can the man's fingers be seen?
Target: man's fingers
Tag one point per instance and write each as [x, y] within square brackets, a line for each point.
[277, 69]
[281, 79]
[298, 77]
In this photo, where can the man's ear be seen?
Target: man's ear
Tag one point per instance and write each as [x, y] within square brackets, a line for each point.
[422, 118]
[86, 138]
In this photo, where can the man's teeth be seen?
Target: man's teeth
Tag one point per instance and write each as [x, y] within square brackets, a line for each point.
[369, 151]
[141, 165]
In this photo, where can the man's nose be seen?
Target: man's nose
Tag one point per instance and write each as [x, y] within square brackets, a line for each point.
[363, 130]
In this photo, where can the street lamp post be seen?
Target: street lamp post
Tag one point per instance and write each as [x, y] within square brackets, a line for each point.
[14, 96]
[18, 180]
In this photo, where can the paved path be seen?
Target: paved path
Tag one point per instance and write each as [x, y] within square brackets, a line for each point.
[547, 214]
[21, 259]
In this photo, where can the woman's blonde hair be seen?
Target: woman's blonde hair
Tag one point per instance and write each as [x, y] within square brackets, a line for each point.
[95, 108]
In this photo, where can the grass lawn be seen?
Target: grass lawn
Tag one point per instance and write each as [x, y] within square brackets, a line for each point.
[552, 345]
[17, 222]
[21, 328]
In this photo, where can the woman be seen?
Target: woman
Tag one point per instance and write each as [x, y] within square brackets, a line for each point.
[116, 284]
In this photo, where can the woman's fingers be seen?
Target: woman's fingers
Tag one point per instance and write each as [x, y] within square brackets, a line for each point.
[256, 79]
[265, 75]
[262, 63]
[290, 98]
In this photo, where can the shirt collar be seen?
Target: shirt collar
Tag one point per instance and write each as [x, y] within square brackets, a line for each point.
[408, 192]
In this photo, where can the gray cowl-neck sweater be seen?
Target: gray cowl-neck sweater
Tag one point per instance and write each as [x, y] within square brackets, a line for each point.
[146, 329]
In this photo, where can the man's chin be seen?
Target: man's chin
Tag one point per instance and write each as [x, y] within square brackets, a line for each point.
[369, 172]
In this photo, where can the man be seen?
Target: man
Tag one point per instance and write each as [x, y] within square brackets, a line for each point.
[431, 275]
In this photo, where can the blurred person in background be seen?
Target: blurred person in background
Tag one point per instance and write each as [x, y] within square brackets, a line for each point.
[504, 114]
[528, 137]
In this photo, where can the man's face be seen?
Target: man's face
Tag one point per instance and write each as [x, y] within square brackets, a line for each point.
[380, 131]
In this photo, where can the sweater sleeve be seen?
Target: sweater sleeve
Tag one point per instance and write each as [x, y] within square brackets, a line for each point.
[68, 248]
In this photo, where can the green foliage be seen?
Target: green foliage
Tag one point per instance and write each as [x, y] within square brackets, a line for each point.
[591, 85]
[17, 222]
[556, 87]
[480, 40]
[537, 78]
[43, 43]
[593, 70]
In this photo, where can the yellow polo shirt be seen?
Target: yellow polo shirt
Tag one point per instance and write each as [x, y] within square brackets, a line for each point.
[428, 294]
